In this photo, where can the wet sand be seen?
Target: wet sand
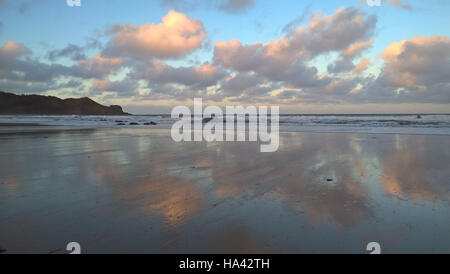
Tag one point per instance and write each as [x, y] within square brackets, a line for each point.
[137, 191]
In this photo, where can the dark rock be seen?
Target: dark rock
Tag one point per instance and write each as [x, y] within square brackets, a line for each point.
[116, 108]
[329, 180]
[119, 121]
[50, 105]
[133, 124]
[206, 120]
[419, 117]
[120, 124]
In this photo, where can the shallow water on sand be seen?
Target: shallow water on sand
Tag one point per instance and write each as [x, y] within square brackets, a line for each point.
[137, 191]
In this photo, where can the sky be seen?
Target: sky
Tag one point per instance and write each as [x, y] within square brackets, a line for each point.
[341, 56]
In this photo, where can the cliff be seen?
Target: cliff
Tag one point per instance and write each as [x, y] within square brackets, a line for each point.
[50, 105]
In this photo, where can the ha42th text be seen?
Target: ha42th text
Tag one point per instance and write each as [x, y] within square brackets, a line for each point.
[210, 265]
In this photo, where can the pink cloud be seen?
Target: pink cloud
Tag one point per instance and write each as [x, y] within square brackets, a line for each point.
[417, 62]
[346, 29]
[362, 66]
[176, 36]
[12, 49]
[357, 48]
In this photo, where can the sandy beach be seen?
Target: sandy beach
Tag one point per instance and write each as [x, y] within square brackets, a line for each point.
[137, 191]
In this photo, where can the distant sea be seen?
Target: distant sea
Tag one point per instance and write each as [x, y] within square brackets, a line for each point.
[365, 123]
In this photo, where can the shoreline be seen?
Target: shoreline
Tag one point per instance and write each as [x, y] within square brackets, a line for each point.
[30, 127]
[379, 124]
[19, 124]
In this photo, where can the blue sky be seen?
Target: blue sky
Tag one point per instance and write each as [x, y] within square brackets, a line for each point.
[43, 26]
[54, 23]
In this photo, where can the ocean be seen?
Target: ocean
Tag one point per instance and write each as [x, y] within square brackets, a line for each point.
[434, 124]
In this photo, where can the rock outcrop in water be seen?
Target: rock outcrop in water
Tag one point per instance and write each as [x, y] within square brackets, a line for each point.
[50, 105]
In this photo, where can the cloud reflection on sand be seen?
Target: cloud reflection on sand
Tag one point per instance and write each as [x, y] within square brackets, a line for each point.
[227, 197]
[298, 177]
[405, 175]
